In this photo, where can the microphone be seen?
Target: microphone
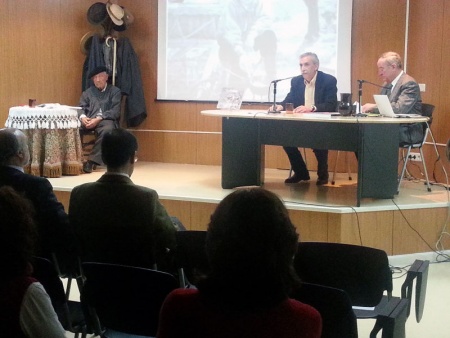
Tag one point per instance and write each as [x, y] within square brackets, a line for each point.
[286, 78]
[373, 84]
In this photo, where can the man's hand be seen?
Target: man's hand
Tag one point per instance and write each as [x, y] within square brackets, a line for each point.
[278, 107]
[90, 123]
[368, 107]
[303, 109]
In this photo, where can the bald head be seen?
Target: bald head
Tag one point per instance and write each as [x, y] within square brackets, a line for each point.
[13, 147]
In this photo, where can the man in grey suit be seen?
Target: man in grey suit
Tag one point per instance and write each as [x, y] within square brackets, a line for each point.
[403, 92]
[116, 221]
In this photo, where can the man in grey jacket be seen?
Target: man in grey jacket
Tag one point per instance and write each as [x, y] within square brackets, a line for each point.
[403, 92]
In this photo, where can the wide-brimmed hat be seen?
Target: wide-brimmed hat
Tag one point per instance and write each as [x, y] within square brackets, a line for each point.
[128, 19]
[97, 13]
[116, 13]
[86, 41]
[97, 70]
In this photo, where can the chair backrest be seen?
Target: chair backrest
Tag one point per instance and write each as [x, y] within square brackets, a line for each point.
[125, 298]
[334, 306]
[362, 272]
[427, 111]
[418, 272]
[69, 313]
[190, 258]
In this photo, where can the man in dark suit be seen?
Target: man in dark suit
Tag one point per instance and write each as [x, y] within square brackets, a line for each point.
[403, 92]
[117, 221]
[313, 91]
[55, 234]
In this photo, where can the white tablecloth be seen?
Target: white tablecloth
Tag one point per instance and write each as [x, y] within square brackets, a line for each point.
[53, 137]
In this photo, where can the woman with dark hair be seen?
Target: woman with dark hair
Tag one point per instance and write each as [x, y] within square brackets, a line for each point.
[250, 245]
[25, 307]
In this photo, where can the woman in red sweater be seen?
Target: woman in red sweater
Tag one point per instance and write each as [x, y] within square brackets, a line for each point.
[250, 245]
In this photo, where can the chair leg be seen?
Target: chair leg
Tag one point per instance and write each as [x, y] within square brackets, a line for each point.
[425, 170]
[347, 163]
[333, 179]
[405, 162]
[348, 166]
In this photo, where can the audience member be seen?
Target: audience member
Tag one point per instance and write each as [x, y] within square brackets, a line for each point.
[403, 92]
[55, 234]
[311, 91]
[117, 221]
[250, 245]
[101, 112]
[25, 307]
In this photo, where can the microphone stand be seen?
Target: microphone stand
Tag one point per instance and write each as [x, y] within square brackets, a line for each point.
[274, 107]
[360, 95]
[360, 91]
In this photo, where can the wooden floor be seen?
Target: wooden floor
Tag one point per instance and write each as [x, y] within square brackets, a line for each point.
[411, 222]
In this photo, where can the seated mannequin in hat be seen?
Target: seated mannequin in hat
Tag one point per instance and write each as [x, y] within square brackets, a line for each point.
[101, 112]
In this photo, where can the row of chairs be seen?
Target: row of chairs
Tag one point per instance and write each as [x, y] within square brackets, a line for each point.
[336, 278]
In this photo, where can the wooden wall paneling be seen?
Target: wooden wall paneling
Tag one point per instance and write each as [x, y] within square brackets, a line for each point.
[72, 27]
[201, 215]
[174, 116]
[427, 39]
[209, 149]
[375, 228]
[64, 198]
[377, 27]
[443, 116]
[311, 226]
[179, 209]
[418, 230]
[168, 147]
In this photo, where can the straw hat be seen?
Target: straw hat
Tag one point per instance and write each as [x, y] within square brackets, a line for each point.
[97, 13]
[116, 13]
[85, 42]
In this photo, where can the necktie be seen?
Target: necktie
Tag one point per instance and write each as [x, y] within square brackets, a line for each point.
[388, 89]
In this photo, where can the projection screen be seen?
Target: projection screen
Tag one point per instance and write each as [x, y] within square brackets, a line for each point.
[207, 45]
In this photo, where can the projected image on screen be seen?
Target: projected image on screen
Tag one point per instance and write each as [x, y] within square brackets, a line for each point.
[207, 45]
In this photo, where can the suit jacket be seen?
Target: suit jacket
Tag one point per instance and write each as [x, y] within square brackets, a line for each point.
[325, 95]
[118, 222]
[405, 96]
[55, 233]
[405, 99]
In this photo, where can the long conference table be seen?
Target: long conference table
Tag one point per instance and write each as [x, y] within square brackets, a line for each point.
[375, 139]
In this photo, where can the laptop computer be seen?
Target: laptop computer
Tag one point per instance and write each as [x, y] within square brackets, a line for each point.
[385, 108]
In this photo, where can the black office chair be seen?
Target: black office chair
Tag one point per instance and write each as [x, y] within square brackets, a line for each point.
[362, 272]
[70, 313]
[418, 272]
[427, 111]
[190, 257]
[124, 298]
[334, 306]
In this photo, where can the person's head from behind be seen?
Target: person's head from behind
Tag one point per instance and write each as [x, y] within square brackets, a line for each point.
[13, 147]
[119, 148]
[17, 233]
[251, 243]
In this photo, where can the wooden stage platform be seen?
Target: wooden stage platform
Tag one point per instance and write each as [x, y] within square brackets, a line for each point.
[411, 222]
